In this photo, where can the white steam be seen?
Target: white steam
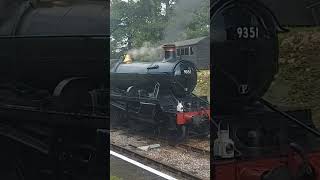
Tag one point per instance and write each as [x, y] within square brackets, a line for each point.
[146, 53]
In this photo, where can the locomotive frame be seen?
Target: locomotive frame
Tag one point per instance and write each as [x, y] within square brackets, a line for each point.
[127, 108]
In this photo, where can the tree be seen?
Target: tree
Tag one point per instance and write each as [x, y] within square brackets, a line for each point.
[134, 22]
[200, 25]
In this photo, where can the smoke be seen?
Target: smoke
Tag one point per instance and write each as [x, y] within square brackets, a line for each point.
[146, 53]
[183, 14]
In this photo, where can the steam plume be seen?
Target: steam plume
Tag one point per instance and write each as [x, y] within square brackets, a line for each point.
[146, 53]
[183, 13]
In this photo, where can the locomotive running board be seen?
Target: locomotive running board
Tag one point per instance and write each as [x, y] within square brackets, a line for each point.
[134, 99]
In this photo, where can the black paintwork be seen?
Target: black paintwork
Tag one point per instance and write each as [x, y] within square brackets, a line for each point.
[41, 46]
[170, 76]
[242, 61]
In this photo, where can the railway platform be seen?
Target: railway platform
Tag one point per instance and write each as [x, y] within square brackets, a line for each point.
[125, 168]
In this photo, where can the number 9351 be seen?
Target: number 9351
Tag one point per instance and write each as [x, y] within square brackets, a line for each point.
[248, 32]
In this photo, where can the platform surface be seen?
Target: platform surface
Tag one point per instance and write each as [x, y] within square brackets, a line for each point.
[128, 171]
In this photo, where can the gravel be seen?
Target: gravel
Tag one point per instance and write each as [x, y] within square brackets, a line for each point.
[191, 162]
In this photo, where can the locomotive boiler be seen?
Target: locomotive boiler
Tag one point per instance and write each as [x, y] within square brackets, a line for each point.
[174, 76]
[53, 100]
[252, 138]
[159, 93]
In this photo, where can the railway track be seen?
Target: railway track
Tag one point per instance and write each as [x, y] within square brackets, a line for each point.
[158, 164]
[184, 146]
[180, 145]
[195, 149]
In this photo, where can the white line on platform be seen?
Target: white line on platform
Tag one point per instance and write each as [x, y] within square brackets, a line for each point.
[142, 166]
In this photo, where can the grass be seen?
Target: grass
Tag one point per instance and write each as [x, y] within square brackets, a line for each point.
[115, 178]
[203, 84]
[297, 30]
[297, 83]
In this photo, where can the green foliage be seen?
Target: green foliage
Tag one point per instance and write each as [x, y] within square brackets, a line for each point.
[203, 84]
[200, 24]
[134, 22]
[115, 178]
[297, 83]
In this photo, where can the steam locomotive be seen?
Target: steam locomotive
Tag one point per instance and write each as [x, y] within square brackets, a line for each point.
[52, 89]
[252, 138]
[159, 94]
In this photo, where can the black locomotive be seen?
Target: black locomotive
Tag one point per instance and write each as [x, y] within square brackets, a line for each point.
[160, 94]
[52, 89]
[178, 77]
[246, 128]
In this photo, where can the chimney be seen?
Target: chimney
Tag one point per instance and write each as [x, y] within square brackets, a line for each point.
[169, 52]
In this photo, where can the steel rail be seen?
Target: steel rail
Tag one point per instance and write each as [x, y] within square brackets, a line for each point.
[185, 146]
[195, 149]
[180, 145]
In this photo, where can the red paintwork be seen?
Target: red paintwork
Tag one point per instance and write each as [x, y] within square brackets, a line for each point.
[253, 169]
[185, 117]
